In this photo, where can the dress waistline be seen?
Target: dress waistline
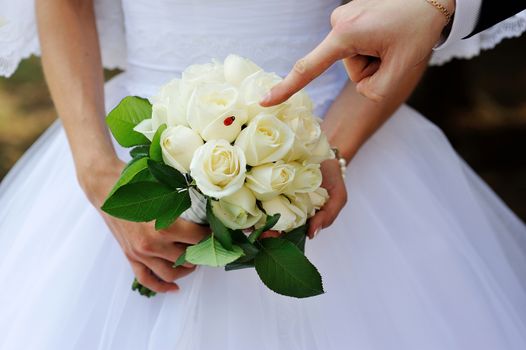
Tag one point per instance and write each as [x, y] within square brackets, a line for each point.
[145, 81]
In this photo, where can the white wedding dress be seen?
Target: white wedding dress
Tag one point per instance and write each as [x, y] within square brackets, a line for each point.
[424, 257]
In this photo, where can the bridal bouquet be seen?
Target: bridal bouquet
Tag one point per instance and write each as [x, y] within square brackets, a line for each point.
[204, 149]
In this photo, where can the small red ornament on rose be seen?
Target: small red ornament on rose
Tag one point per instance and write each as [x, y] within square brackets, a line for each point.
[229, 120]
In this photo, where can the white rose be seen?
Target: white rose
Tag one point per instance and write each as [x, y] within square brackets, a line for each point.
[321, 151]
[254, 88]
[214, 113]
[300, 100]
[307, 132]
[238, 211]
[266, 139]
[318, 198]
[173, 97]
[307, 178]
[178, 144]
[238, 68]
[218, 168]
[310, 202]
[170, 102]
[304, 124]
[291, 215]
[207, 73]
[269, 180]
[148, 127]
[303, 201]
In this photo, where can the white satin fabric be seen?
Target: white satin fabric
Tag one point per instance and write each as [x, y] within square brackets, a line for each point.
[424, 256]
[464, 20]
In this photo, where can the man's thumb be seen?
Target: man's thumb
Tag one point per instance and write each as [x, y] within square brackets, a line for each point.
[378, 85]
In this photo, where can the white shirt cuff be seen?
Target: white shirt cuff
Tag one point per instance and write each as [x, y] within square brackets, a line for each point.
[464, 21]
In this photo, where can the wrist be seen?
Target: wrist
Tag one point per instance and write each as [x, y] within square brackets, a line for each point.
[342, 161]
[450, 5]
[97, 178]
[344, 152]
[444, 10]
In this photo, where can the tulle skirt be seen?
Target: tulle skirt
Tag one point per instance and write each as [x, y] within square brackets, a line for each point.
[424, 256]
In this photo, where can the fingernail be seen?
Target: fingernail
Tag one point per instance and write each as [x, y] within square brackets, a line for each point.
[266, 98]
[316, 232]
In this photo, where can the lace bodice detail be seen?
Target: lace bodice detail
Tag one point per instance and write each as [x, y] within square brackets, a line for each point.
[172, 34]
[169, 35]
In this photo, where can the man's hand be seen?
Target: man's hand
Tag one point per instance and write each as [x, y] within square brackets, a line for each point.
[380, 42]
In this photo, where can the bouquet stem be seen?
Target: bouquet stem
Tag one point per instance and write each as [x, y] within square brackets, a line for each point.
[142, 290]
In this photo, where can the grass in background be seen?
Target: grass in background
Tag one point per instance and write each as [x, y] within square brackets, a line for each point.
[25, 112]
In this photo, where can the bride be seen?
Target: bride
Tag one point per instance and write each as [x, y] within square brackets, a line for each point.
[423, 256]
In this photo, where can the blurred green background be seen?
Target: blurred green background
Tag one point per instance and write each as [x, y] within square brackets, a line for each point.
[480, 104]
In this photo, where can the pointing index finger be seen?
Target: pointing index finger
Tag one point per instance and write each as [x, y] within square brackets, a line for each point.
[305, 70]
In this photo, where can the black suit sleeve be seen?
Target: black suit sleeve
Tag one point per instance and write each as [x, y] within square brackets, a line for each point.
[495, 11]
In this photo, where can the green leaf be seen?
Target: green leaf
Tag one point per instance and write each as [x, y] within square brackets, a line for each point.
[249, 249]
[210, 252]
[130, 163]
[140, 151]
[156, 152]
[181, 260]
[123, 118]
[143, 176]
[285, 270]
[221, 232]
[236, 265]
[129, 173]
[166, 219]
[141, 201]
[167, 175]
[269, 223]
[297, 236]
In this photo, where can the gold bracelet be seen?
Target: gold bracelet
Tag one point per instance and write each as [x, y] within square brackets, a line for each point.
[341, 160]
[442, 9]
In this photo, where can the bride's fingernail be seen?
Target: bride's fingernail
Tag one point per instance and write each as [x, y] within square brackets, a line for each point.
[316, 232]
[266, 98]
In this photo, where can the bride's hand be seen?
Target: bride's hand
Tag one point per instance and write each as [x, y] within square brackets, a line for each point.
[334, 184]
[151, 253]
